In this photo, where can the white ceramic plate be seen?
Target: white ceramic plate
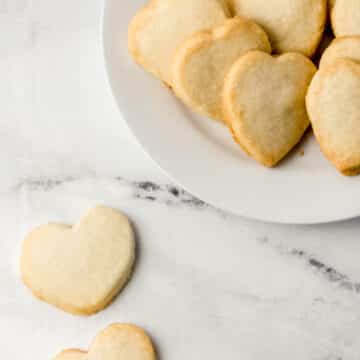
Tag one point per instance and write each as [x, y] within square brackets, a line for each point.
[200, 155]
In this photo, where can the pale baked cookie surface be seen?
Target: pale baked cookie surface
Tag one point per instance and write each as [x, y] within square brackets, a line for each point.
[347, 47]
[80, 269]
[157, 30]
[116, 342]
[334, 109]
[295, 25]
[203, 60]
[345, 17]
[264, 103]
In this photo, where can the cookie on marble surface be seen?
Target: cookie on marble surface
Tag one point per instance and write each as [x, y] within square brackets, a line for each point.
[295, 25]
[203, 60]
[161, 26]
[345, 17]
[72, 354]
[347, 47]
[116, 342]
[264, 103]
[80, 269]
[334, 109]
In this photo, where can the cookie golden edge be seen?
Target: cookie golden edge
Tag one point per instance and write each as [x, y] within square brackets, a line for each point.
[332, 48]
[131, 330]
[322, 19]
[228, 97]
[66, 354]
[350, 167]
[136, 24]
[69, 308]
[202, 40]
[316, 37]
[332, 14]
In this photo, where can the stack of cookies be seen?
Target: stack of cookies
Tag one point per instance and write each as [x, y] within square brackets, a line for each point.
[247, 64]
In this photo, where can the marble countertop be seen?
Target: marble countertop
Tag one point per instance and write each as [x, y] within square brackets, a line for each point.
[207, 285]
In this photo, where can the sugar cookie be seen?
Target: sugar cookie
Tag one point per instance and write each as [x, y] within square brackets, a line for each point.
[347, 47]
[116, 342]
[295, 25]
[203, 60]
[158, 29]
[264, 103]
[80, 269]
[334, 109]
[345, 17]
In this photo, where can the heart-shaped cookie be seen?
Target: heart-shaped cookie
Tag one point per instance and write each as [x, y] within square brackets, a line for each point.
[295, 25]
[345, 17]
[158, 29]
[203, 60]
[116, 342]
[347, 47]
[334, 109]
[80, 269]
[264, 103]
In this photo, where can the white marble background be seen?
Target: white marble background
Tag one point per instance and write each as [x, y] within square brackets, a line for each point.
[207, 285]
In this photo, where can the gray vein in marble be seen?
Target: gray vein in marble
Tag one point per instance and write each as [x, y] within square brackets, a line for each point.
[163, 193]
[145, 190]
[327, 271]
[43, 184]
